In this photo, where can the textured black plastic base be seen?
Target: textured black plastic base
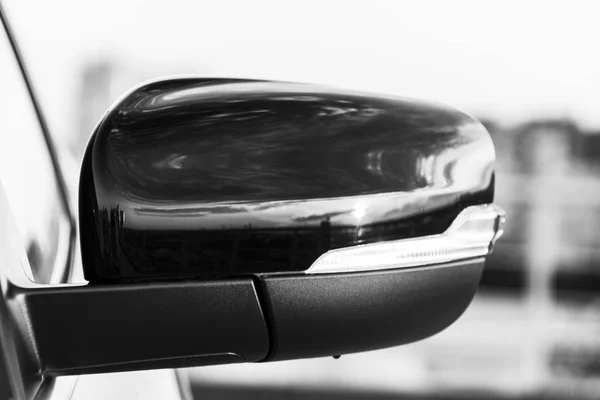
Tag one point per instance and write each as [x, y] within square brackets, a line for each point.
[107, 328]
[93, 329]
[321, 315]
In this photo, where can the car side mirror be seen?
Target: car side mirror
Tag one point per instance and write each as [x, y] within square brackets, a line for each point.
[227, 220]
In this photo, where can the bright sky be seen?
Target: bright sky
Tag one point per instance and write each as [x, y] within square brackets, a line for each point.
[511, 60]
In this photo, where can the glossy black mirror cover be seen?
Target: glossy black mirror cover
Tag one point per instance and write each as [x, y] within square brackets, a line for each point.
[212, 178]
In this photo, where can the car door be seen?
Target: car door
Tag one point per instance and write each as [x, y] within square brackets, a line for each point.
[38, 230]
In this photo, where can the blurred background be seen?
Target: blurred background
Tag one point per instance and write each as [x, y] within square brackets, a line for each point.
[530, 70]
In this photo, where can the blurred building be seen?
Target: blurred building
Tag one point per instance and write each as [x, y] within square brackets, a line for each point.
[549, 184]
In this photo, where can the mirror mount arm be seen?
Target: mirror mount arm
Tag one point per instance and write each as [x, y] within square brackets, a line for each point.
[73, 330]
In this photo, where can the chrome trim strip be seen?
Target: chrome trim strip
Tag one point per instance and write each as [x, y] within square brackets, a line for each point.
[472, 234]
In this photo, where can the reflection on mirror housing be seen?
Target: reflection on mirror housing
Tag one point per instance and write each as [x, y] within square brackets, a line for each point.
[207, 178]
[330, 221]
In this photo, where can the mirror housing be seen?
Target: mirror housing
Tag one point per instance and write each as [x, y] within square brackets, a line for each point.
[227, 220]
[215, 178]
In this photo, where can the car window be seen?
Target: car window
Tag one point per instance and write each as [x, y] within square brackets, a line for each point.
[28, 176]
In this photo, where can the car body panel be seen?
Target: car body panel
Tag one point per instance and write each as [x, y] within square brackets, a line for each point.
[19, 377]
